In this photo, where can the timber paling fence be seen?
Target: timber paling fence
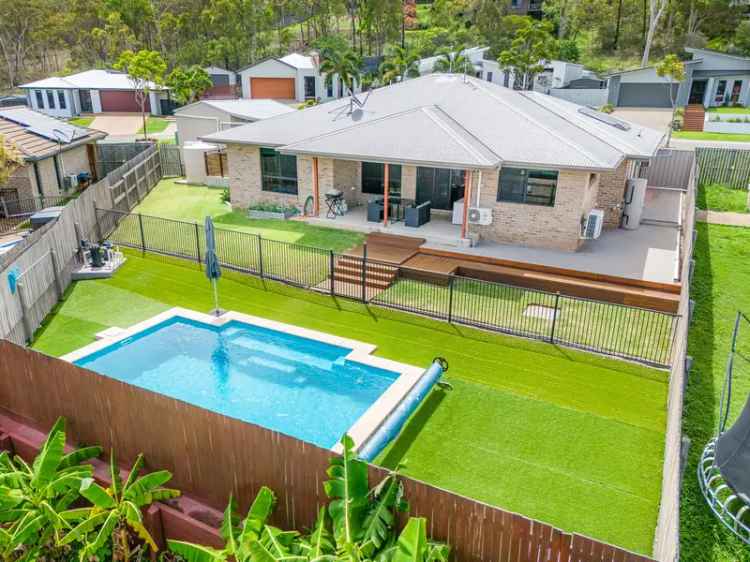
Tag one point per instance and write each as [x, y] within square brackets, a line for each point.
[211, 456]
[729, 166]
[37, 271]
[612, 329]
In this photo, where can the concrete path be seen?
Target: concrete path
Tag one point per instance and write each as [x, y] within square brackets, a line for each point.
[729, 219]
[118, 124]
[648, 117]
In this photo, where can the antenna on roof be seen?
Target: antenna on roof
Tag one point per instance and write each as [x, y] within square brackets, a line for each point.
[355, 101]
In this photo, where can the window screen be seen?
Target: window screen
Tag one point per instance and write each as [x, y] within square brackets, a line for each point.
[373, 174]
[61, 99]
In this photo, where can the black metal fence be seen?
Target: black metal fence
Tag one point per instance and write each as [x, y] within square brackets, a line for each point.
[612, 329]
[15, 212]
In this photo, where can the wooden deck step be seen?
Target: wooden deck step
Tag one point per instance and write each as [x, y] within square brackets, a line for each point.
[377, 275]
[694, 118]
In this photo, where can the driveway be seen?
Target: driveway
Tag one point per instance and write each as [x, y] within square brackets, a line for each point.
[648, 117]
[118, 125]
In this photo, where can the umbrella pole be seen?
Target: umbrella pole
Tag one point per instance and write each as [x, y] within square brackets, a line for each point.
[216, 297]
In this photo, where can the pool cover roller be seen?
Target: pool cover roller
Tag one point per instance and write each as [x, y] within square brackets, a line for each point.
[395, 421]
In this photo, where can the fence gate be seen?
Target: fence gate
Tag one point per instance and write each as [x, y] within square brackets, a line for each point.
[171, 160]
[729, 166]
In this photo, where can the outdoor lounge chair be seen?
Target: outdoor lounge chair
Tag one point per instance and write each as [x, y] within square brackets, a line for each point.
[418, 215]
[375, 211]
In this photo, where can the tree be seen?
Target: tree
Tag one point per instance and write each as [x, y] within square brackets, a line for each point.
[146, 71]
[342, 61]
[187, 85]
[400, 62]
[452, 60]
[742, 38]
[655, 11]
[531, 46]
[10, 159]
[671, 69]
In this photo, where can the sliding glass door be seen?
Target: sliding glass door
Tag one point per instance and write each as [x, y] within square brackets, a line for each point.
[440, 186]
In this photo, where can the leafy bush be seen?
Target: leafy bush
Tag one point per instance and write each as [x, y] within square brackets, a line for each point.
[607, 108]
[273, 208]
[225, 195]
[358, 524]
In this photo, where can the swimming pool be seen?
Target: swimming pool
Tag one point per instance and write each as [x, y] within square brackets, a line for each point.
[306, 384]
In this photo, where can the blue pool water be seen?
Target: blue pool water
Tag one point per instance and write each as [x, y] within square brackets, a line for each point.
[301, 387]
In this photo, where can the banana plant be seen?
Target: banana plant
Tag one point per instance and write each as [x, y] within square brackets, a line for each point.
[413, 546]
[247, 539]
[35, 499]
[116, 511]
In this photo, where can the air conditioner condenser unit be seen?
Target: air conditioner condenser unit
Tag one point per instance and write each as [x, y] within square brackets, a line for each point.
[592, 225]
[480, 216]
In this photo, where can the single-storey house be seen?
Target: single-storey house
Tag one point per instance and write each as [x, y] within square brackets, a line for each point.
[509, 166]
[711, 79]
[294, 77]
[224, 83]
[211, 115]
[92, 91]
[55, 154]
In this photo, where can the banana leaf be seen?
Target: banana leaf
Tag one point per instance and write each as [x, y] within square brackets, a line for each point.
[347, 489]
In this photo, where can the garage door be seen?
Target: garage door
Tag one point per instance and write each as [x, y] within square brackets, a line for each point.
[272, 88]
[120, 100]
[645, 95]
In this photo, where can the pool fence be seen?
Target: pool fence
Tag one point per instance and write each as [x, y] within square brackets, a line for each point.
[618, 330]
[211, 456]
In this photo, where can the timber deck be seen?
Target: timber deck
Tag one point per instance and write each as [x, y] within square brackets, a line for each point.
[417, 261]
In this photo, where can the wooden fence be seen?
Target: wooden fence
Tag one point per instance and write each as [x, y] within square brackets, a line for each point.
[43, 263]
[171, 160]
[667, 536]
[730, 166]
[216, 164]
[112, 155]
[211, 455]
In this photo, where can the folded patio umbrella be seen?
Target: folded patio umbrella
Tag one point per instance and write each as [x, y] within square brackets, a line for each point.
[213, 270]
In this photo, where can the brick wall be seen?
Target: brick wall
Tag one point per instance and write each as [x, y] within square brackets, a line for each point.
[22, 182]
[557, 227]
[245, 179]
[611, 195]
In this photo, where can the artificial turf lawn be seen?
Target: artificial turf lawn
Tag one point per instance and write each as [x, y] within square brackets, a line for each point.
[719, 197]
[81, 121]
[707, 136]
[170, 199]
[563, 436]
[720, 289]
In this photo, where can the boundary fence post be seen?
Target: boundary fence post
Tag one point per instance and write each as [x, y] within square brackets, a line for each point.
[27, 329]
[364, 272]
[56, 272]
[554, 317]
[198, 244]
[331, 274]
[260, 255]
[451, 278]
[143, 235]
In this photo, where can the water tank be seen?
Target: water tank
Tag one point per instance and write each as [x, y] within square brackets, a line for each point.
[194, 158]
[635, 197]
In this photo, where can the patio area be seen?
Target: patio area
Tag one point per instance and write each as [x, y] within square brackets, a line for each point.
[439, 230]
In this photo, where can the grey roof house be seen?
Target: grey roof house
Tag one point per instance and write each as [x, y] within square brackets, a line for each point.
[490, 162]
[711, 79]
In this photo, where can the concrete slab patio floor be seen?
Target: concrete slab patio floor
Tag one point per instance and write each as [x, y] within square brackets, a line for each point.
[565, 437]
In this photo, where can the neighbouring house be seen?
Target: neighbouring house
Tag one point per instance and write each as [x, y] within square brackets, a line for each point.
[294, 77]
[224, 83]
[711, 79]
[493, 163]
[56, 154]
[13, 100]
[92, 91]
[211, 115]
[531, 8]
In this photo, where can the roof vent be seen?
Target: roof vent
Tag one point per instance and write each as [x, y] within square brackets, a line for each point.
[604, 118]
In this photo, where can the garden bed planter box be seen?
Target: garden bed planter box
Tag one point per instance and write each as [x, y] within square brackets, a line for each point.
[282, 215]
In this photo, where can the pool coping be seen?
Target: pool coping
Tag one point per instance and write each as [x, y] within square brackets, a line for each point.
[362, 429]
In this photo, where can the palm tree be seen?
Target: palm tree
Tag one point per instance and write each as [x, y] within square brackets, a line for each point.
[453, 60]
[401, 63]
[344, 62]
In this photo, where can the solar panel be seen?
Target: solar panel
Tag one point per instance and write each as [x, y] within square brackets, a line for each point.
[604, 118]
[44, 126]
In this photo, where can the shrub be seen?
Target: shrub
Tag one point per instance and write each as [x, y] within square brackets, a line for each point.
[225, 196]
[607, 108]
[273, 208]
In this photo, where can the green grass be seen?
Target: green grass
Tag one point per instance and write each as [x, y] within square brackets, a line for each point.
[722, 276]
[81, 121]
[719, 197]
[729, 110]
[567, 437]
[155, 125]
[172, 200]
[702, 135]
